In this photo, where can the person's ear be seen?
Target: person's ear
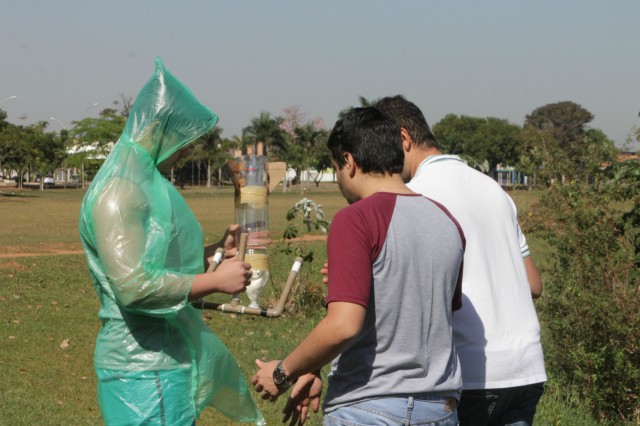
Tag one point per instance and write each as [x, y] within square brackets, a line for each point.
[350, 163]
[407, 141]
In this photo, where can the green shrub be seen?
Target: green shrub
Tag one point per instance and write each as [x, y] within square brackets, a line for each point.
[310, 215]
[590, 311]
[306, 216]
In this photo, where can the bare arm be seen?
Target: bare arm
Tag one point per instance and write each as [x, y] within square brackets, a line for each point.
[326, 341]
[535, 281]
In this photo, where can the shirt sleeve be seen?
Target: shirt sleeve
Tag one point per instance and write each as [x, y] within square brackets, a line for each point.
[522, 240]
[350, 259]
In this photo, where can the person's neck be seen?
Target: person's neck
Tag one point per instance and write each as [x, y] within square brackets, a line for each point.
[420, 155]
[387, 183]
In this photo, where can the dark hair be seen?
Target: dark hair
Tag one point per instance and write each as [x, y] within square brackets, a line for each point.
[409, 117]
[372, 139]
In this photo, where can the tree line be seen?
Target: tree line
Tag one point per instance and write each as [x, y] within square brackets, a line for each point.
[557, 132]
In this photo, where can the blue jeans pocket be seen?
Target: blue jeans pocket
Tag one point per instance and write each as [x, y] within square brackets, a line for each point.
[433, 411]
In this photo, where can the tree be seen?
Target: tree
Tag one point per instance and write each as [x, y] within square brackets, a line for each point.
[4, 147]
[30, 148]
[363, 102]
[124, 104]
[214, 151]
[558, 145]
[598, 151]
[491, 140]
[310, 144]
[292, 119]
[265, 129]
[303, 145]
[565, 121]
[504, 142]
[93, 138]
[46, 150]
[632, 137]
[206, 149]
[14, 150]
[104, 130]
[452, 132]
[3, 119]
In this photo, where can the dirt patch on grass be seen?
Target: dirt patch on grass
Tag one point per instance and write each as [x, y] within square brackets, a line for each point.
[61, 250]
[49, 253]
[13, 266]
[310, 238]
[41, 250]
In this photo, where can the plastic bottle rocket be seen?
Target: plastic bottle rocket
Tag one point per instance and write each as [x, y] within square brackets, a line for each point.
[252, 214]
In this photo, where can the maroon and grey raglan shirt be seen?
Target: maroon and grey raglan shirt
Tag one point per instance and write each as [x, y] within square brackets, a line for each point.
[400, 257]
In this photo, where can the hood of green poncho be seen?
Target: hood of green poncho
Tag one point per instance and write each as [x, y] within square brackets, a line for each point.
[166, 116]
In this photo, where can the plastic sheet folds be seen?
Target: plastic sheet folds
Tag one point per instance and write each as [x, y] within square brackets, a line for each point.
[144, 247]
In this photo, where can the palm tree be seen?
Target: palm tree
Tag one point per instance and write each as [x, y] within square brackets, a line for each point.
[207, 149]
[364, 102]
[265, 129]
[311, 144]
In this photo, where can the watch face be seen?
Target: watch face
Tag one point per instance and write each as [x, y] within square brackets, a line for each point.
[278, 376]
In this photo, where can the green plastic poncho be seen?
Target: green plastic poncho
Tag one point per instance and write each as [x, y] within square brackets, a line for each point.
[144, 246]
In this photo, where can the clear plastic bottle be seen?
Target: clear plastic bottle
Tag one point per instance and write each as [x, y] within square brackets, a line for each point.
[252, 213]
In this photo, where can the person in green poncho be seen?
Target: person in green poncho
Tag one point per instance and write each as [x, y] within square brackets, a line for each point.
[156, 360]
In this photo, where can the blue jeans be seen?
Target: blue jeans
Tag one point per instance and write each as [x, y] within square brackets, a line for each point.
[418, 410]
[500, 407]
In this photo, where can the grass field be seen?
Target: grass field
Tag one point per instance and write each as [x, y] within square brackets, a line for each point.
[49, 309]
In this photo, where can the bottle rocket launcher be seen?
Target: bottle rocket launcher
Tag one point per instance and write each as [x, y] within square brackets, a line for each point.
[250, 178]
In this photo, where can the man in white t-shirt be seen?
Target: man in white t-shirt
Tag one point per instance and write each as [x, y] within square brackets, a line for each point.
[496, 333]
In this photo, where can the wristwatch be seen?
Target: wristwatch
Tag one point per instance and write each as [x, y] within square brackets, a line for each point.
[280, 377]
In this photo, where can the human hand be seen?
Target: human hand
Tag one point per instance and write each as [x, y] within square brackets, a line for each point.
[258, 238]
[230, 241]
[232, 276]
[262, 381]
[305, 393]
[324, 271]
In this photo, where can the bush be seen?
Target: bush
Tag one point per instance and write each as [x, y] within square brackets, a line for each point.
[306, 216]
[590, 311]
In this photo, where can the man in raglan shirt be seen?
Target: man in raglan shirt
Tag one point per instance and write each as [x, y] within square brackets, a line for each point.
[395, 261]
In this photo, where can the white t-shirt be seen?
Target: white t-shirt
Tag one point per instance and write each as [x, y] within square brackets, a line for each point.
[496, 333]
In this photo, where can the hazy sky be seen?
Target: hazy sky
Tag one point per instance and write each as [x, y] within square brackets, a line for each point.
[483, 58]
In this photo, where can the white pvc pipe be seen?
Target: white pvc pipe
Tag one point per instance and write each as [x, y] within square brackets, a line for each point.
[215, 260]
[245, 310]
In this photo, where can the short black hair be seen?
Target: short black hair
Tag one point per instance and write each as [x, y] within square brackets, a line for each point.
[409, 117]
[372, 138]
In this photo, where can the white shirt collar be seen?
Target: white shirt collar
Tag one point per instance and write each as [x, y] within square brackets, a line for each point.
[436, 159]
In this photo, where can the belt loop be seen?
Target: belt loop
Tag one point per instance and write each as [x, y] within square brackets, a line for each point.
[450, 404]
[410, 402]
